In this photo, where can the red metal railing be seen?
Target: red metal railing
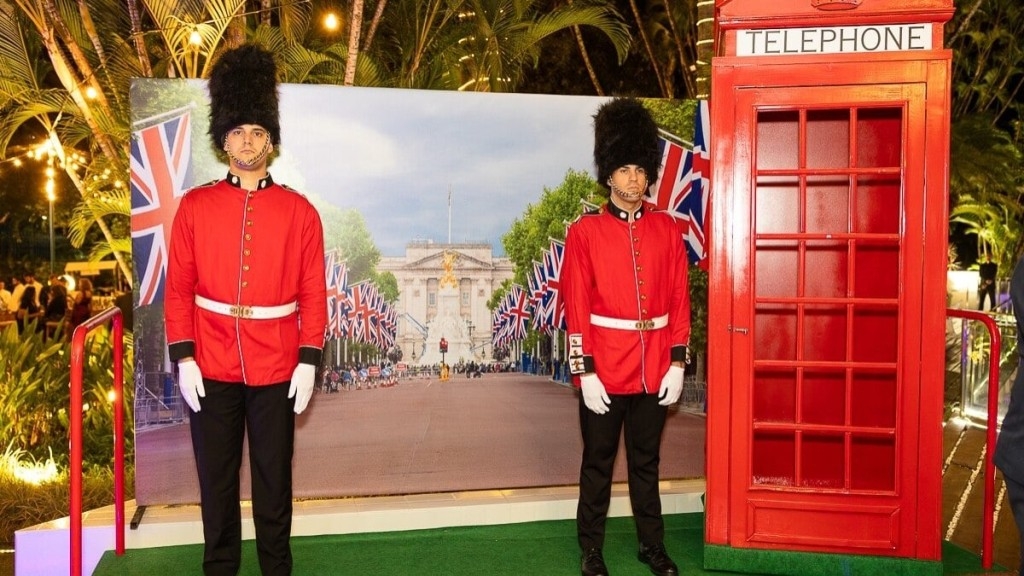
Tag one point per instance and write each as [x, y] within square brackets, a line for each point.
[988, 509]
[77, 362]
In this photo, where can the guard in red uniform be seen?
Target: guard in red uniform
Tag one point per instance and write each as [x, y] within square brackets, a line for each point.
[627, 305]
[246, 313]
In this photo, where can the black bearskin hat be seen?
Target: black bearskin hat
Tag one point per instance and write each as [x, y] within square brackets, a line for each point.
[243, 90]
[625, 133]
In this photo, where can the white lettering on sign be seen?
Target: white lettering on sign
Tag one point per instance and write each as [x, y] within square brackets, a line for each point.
[834, 40]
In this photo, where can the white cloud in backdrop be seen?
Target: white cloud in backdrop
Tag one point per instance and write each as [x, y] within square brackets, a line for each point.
[393, 155]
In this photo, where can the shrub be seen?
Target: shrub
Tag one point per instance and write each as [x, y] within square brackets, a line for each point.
[35, 392]
[24, 504]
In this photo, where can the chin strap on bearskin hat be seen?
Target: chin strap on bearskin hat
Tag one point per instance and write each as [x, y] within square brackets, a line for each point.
[625, 133]
[243, 90]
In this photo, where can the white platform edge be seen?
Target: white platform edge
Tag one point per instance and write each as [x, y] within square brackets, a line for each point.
[44, 549]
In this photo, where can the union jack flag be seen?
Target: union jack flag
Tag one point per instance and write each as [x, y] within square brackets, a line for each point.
[519, 311]
[554, 308]
[700, 205]
[683, 186]
[537, 283]
[685, 206]
[161, 173]
[499, 324]
[358, 314]
[337, 293]
[674, 176]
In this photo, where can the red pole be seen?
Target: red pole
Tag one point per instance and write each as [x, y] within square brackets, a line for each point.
[988, 508]
[75, 415]
[118, 344]
[77, 361]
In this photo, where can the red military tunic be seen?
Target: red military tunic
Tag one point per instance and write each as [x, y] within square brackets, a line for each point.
[259, 248]
[632, 271]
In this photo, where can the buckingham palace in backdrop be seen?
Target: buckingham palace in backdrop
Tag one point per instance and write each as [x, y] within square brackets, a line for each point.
[420, 273]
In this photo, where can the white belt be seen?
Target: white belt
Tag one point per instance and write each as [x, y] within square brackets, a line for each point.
[624, 324]
[253, 312]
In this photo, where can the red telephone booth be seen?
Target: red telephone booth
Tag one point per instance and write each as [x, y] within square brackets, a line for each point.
[827, 286]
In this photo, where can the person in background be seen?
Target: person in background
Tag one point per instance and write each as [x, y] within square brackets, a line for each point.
[125, 302]
[5, 297]
[17, 289]
[987, 271]
[627, 306]
[56, 300]
[1009, 454]
[28, 310]
[246, 311]
[81, 310]
[30, 280]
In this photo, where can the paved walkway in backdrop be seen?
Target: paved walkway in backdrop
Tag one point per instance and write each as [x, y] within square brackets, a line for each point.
[505, 430]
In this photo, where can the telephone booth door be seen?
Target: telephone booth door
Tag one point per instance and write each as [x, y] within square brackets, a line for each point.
[816, 342]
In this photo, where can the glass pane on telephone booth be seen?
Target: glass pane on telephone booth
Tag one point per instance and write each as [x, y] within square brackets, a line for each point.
[826, 222]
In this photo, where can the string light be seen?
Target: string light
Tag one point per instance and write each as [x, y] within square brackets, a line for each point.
[331, 22]
[90, 92]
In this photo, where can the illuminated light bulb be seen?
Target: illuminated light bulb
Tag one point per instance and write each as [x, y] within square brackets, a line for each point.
[195, 38]
[111, 396]
[49, 171]
[90, 93]
[17, 162]
[331, 22]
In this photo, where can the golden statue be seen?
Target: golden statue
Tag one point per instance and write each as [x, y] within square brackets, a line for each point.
[448, 260]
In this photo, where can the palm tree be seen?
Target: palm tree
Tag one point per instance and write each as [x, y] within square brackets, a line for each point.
[479, 45]
[672, 28]
[355, 27]
[504, 37]
[985, 147]
[88, 111]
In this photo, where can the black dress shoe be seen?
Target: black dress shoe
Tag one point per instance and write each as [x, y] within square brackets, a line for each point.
[657, 559]
[592, 563]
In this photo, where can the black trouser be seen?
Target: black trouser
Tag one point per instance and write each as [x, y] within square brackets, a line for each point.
[987, 288]
[227, 411]
[643, 419]
[1015, 493]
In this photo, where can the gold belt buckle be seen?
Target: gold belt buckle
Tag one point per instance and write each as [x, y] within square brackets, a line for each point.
[645, 324]
[240, 311]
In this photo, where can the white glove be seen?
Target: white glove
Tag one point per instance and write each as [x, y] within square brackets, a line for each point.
[594, 396]
[302, 385]
[671, 386]
[190, 383]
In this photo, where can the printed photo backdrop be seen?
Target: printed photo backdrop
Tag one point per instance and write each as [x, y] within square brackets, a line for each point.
[417, 166]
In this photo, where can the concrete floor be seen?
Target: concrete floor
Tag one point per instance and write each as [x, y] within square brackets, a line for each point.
[963, 496]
